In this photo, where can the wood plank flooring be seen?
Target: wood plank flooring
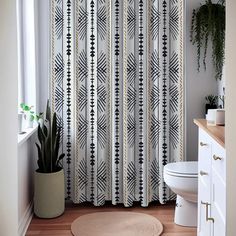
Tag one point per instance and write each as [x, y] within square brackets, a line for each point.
[61, 225]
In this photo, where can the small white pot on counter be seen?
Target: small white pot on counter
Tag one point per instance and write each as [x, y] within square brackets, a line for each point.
[29, 121]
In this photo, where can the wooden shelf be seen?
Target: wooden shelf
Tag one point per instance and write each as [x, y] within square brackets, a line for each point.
[216, 132]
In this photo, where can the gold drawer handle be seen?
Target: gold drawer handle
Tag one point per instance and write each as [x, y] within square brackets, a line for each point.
[217, 158]
[203, 144]
[207, 211]
[203, 173]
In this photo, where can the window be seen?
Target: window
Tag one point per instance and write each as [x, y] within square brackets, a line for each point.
[26, 52]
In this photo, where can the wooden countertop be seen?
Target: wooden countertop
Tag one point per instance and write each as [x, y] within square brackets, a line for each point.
[216, 132]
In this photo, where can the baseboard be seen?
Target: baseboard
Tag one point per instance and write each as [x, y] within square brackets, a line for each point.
[25, 220]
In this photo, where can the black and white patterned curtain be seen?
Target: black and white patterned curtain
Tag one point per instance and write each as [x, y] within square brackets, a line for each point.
[117, 88]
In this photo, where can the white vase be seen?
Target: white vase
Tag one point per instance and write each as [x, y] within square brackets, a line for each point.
[29, 122]
[20, 122]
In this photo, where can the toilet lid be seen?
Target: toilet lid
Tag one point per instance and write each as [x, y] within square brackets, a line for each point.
[184, 168]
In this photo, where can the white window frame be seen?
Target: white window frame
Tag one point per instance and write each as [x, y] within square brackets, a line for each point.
[27, 53]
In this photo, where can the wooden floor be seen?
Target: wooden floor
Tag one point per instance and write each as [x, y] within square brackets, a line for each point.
[61, 225]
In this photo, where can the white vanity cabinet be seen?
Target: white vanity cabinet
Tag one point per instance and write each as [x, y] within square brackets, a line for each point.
[212, 180]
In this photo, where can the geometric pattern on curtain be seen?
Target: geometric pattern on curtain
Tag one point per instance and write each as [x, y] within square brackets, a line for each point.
[117, 88]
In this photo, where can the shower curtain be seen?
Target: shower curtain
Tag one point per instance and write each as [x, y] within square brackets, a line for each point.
[117, 87]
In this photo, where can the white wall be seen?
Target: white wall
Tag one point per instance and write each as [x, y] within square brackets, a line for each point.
[17, 163]
[8, 119]
[231, 117]
[27, 157]
[25, 175]
[198, 85]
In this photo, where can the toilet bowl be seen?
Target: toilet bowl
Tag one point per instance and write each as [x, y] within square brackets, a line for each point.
[182, 179]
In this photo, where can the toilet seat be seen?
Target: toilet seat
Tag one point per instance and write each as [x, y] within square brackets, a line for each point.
[188, 169]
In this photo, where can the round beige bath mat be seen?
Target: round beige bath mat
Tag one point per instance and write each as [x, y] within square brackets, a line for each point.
[116, 224]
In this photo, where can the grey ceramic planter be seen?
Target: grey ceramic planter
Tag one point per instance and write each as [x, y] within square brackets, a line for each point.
[49, 194]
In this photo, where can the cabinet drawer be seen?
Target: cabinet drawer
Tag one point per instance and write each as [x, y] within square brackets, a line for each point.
[218, 160]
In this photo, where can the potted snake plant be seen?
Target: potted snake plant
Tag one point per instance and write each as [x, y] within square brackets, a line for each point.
[49, 190]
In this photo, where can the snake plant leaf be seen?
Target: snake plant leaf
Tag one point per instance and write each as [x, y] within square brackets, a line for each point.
[40, 161]
[41, 157]
[48, 112]
[48, 151]
[45, 130]
[41, 135]
[54, 129]
[44, 158]
[60, 158]
[57, 145]
[40, 165]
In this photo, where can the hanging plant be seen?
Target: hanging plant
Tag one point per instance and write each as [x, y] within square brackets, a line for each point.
[208, 22]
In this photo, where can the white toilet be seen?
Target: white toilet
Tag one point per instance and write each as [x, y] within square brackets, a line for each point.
[182, 179]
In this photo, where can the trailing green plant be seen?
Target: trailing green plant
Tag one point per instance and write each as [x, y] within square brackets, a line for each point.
[26, 109]
[49, 136]
[208, 22]
[211, 100]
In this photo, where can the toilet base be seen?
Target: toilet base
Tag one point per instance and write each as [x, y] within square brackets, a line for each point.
[185, 212]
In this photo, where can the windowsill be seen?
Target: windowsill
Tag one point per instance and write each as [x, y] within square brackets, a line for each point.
[26, 135]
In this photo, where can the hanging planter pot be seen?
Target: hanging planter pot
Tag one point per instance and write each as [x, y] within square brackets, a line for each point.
[208, 23]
